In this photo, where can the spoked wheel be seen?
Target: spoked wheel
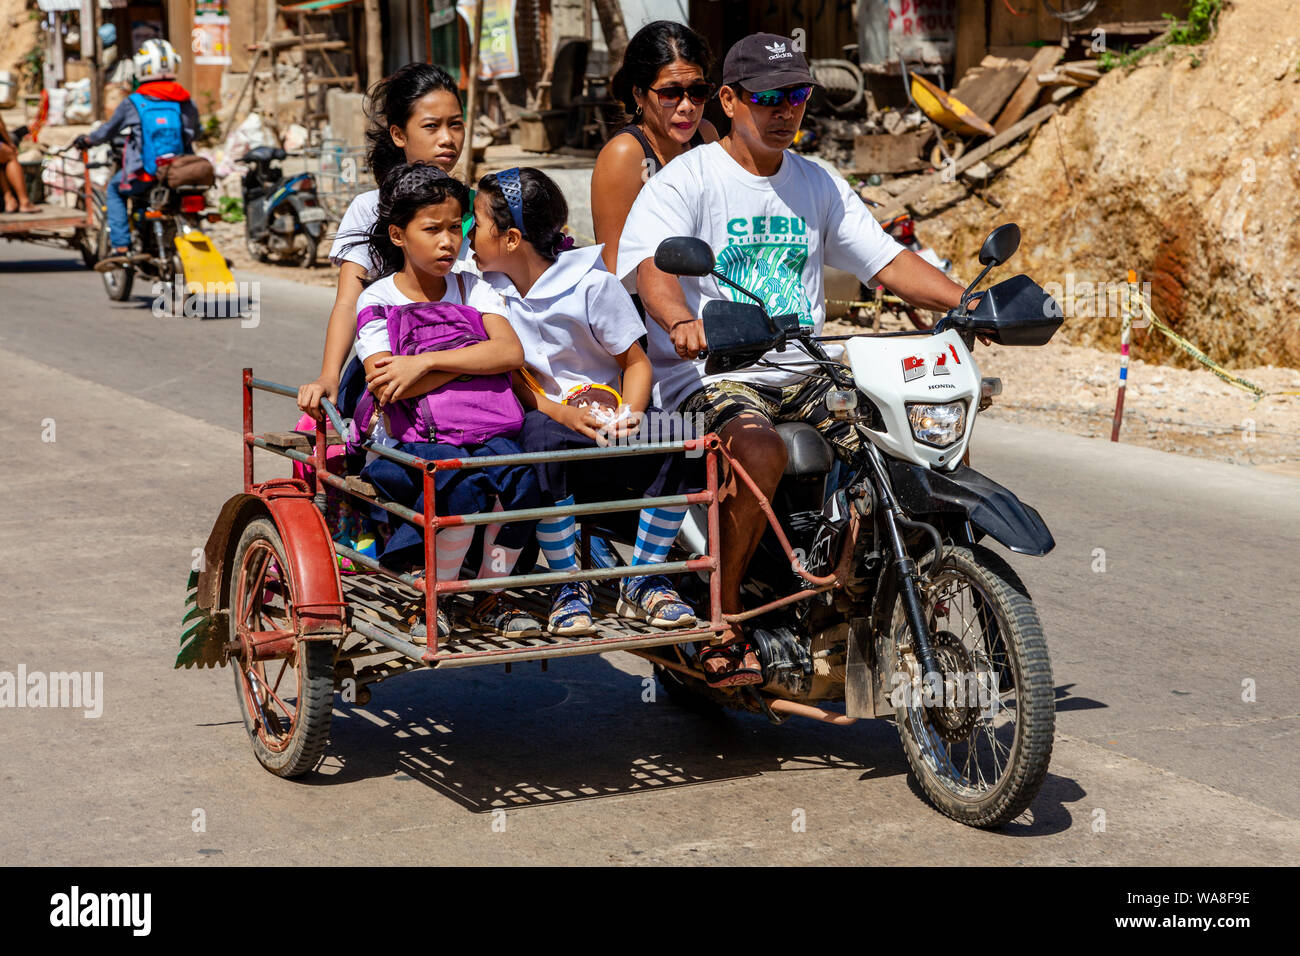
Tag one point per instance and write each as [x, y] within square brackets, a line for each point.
[174, 287]
[87, 240]
[285, 686]
[117, 282]
[980, 744]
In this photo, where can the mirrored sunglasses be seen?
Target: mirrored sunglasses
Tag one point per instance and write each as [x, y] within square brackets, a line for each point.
[797, 96]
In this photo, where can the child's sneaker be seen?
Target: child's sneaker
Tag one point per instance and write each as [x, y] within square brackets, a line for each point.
[496, 615]
[420, 633]
[653, 600]
[571, 610]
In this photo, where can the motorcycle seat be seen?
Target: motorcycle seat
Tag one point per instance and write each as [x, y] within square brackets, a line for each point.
[264, 154]
[809, 452]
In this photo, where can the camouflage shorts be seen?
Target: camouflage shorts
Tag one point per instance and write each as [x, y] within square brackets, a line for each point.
[720, 403]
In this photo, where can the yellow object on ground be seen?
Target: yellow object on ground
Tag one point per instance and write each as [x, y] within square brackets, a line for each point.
[948, 111]
[203, 264]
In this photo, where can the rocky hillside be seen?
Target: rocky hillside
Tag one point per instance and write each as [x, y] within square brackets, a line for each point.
[1185, 168]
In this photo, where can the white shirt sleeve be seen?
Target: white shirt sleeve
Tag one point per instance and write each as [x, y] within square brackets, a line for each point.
[357, 220]
[668, 205]
[611, 316]
[853, 240]
[480, 295]
[373, 337]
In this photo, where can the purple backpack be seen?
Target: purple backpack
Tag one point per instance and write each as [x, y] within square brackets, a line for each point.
[465, 411]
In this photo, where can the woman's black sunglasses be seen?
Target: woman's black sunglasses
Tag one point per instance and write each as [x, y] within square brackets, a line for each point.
[672, 95]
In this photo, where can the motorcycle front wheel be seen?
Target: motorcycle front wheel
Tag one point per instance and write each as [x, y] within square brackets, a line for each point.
[980, 740]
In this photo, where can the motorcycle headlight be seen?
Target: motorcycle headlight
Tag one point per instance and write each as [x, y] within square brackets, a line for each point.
[938, 425]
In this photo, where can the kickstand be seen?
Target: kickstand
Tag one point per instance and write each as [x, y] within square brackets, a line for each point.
[759, 699]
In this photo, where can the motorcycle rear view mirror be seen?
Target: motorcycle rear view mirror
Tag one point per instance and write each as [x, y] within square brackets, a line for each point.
[684, 256]
[999, 246]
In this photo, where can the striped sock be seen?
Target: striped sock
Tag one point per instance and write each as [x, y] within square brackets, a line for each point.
[498, 561]
[655, 533]
[558, 539]
[453, 544]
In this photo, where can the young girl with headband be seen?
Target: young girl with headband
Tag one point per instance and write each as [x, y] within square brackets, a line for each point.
[579, 332]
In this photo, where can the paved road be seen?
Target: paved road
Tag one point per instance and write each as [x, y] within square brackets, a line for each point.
[1158, 758]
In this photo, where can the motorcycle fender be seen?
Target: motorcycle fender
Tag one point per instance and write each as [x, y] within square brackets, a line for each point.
[988, 506]
[203, 264]
[308, 550]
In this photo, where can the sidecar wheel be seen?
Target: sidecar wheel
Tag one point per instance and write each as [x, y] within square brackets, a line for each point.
[286, 700]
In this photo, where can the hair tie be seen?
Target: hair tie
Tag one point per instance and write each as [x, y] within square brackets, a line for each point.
[513, 190]
[562, 243]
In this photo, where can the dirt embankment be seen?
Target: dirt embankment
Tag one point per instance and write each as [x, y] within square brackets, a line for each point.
[1185, 169]
[19, 35]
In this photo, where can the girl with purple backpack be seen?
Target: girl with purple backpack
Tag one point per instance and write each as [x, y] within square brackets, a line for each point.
[438, 353]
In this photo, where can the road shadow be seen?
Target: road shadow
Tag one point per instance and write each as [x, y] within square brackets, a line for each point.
[42, 265]
[1066, 701]
[205, 308]
[584, 730]
[1047, 815]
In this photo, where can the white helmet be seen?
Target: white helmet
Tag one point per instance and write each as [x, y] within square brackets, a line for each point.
[155, 60]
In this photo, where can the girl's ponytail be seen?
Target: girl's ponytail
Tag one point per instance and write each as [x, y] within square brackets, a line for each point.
[544, 211]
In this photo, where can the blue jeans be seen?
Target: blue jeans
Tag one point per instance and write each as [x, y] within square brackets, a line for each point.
[119, 226]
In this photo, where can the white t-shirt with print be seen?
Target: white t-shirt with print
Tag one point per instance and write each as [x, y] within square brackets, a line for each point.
[373, 338]
[572, 322]
[770, 234]
[355, 227]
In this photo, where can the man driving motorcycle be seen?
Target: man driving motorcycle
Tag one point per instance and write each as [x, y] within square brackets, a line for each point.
[161, 119]
[775, 219]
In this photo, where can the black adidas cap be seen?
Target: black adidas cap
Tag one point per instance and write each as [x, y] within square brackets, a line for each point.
[765, 61]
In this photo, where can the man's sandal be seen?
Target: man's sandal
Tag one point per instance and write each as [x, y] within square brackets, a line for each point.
[743, 666]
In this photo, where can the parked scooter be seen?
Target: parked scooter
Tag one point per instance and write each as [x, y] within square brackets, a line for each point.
[281, 218]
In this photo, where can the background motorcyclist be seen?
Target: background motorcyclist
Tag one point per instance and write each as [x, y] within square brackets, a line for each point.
[160, 118]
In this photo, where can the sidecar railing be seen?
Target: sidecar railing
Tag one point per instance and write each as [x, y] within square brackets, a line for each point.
[383, 619]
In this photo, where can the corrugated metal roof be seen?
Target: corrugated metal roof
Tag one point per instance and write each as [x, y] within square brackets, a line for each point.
[64, 6]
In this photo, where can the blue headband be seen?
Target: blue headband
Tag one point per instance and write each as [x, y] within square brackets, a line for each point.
[513, 190]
